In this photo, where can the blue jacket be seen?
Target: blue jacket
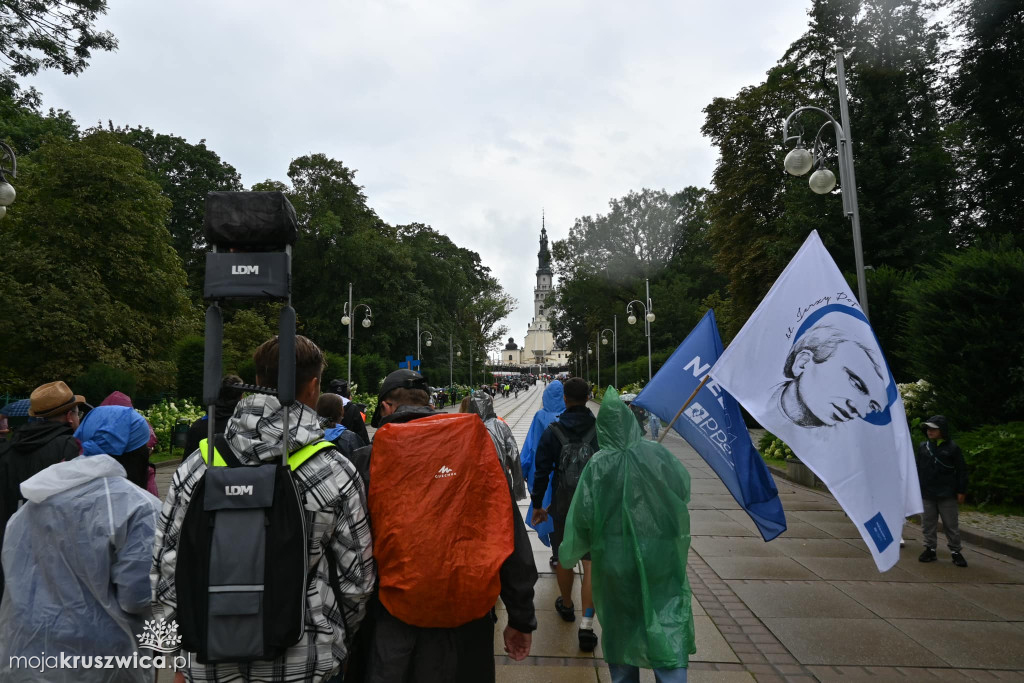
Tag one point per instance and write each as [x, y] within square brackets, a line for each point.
[553, 401]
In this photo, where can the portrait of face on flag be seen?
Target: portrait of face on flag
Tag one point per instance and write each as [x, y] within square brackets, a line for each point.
[809, 368]
[713, 425]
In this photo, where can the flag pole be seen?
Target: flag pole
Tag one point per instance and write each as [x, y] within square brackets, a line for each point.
[688, 401]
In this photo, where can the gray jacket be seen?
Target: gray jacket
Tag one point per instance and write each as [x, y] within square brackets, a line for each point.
[482, 404]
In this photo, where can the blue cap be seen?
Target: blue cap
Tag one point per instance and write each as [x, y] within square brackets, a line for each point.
[114, 430]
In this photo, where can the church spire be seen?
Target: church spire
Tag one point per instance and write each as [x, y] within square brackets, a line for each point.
[544, 255]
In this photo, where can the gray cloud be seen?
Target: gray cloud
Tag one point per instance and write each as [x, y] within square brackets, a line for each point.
[468, 116]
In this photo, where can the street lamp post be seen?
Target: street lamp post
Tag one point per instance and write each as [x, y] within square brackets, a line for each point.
[590, 352]
[615, 353]
[346, 319]
[799, 161]
[7, 193]
[419, 338]
[451, 359]
[648, 319]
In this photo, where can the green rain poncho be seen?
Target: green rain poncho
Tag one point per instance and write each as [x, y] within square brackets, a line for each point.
[629, 511]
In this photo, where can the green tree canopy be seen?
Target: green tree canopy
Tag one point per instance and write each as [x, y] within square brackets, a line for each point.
[988, 117]
[88, 272]
[51, 34]
[186, 173]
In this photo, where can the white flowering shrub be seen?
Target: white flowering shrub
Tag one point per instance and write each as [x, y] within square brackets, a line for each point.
[164, 415]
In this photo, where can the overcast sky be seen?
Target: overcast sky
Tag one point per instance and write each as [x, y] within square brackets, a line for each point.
[471, 117]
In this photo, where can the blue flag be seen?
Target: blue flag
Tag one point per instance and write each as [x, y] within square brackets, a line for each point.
[713, 425]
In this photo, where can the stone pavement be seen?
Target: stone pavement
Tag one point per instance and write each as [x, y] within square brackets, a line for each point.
[810, 605]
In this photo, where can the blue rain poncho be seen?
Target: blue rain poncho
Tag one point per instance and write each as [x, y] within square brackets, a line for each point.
[77, 557]
[553, 402]
[629, 512]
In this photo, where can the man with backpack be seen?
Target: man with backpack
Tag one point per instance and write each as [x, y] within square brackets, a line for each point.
[244, 626]
[565, 447]
[433, 618]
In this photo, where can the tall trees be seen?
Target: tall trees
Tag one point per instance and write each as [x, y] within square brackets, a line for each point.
[186, 173]
[905, 175]
[88, 272]
[50, 34]
[603, 263]
[988, 111]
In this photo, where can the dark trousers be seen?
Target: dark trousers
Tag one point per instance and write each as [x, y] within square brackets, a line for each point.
[947, 509]
[400, 653]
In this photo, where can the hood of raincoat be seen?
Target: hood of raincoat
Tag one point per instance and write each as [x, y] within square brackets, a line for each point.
[554, 397]
[617, 427]
[65, 476]
[482, 404]
[941, 423]
[630, 513]
[113, 430]
[255, 430]
[86, 590]
[117, 398]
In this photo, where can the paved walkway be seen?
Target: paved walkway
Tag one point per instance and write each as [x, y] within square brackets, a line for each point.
[808, 606]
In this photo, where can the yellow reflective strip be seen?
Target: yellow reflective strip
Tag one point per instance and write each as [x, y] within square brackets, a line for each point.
[218, 459]
[306, 452]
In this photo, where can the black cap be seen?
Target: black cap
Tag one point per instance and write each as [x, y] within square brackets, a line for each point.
[399, 379]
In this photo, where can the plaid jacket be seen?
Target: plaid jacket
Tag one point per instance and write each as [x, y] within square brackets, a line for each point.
[335, 503]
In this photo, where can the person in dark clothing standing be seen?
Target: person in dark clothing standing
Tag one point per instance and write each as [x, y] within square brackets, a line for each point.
[577, 422]
[330, 407]
[352, 417]
[227, 399]
[943, 475]
[37, 445]
[396, 652]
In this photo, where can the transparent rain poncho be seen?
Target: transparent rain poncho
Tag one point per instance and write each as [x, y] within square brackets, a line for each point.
[629, 512]
[482, 404]
[77, 558]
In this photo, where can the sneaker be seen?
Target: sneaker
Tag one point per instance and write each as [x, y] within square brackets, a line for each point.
[567, 613]
[903, 543]
[927, 556]
[588, 639]
[553, 562]
[959, 560]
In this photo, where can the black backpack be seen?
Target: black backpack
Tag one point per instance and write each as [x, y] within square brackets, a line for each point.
[242, 557]
[573, 457]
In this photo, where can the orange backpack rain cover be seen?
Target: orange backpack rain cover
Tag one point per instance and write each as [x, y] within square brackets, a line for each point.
[441, 516]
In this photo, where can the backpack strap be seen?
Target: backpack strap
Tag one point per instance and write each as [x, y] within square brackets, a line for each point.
[223, 456]
[590, 436]
[560, 434]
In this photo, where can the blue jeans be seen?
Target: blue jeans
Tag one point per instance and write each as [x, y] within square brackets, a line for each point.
[624, 673]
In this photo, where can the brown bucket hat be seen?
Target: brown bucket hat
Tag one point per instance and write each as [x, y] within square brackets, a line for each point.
[55, 398]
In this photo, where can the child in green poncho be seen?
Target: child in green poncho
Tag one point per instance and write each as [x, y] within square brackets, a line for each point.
[629, 512]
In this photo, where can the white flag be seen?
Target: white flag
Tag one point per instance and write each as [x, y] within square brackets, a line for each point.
[808, 367]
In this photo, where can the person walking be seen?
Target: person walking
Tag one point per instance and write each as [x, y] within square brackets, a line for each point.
[340, 566]
[630, 514]
[574, 426]
[397, 650]
[481, 404]
[77, 557]
[552, 405]
[37, 445]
